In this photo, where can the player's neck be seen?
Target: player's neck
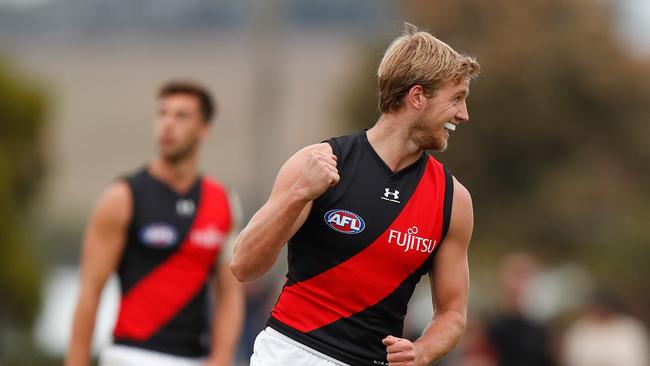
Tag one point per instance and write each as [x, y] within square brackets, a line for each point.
[390, 138]
[178, 175]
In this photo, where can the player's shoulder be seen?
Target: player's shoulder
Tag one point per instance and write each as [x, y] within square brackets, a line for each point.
[298, 158]
[290, 170]
[460, 189]
[334, 145]
[323, 147]
[462, 198]
[137, 177]
[216, 187]
[118, 191]
[114, 204]
[214, 183]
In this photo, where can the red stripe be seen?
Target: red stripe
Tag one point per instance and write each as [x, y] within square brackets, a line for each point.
[372, 274]
[158, 297]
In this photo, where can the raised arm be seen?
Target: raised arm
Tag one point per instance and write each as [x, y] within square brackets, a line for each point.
[449, 278]
[103, 244]
[305, 176]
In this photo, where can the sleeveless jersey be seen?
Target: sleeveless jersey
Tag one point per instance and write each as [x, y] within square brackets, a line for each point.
[354, 263]
[172, 245]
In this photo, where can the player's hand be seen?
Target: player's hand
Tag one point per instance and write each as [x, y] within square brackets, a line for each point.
[318, 174]
[401, 352]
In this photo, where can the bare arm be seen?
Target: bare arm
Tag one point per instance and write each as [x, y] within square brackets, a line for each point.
[102, 246]
[228, 313]
[449, 278]
[305, 176]
[227, 318]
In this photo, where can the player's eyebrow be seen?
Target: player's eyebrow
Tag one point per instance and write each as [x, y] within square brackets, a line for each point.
[462, 93]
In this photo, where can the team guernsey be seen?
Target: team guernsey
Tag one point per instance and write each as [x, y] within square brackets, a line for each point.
[173, 242]
[367, 241]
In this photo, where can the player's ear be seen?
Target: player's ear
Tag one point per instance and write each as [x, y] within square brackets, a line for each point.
[416, 97]
[204, 130]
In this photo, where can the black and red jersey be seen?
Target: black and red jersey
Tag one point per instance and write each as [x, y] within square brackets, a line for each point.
[367, 241]
[172, 244]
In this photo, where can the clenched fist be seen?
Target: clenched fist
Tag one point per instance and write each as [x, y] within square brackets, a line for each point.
[318, 173]
[401, 352]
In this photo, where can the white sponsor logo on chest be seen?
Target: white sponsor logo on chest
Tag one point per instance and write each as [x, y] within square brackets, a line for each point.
[209, 237]
[409, 240]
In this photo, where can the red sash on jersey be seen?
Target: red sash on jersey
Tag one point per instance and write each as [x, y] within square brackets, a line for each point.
[374, 273]
[160, 295]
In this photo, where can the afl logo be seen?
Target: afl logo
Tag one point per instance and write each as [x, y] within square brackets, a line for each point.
[158, 235]
[345, 222]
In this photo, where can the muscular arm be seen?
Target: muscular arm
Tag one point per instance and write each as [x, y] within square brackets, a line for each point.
[102, 246]
[305, 176]
[449, 278]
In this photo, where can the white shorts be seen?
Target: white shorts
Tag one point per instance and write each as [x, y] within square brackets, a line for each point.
[118, 355]
[273, 348]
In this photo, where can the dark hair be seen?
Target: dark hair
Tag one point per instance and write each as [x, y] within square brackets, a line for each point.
[187, 87]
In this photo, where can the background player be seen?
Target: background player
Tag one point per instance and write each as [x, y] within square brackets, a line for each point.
[366, 216]
[162, 230]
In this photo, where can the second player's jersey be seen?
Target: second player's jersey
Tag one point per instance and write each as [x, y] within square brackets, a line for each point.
[172, 243]
[367, 241]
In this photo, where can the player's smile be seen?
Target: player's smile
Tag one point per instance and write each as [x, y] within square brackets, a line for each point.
[450, 127]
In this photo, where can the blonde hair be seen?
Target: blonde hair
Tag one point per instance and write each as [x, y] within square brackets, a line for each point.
[418, 58]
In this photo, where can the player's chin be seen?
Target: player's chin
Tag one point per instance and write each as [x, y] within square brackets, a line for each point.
[172, 154]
